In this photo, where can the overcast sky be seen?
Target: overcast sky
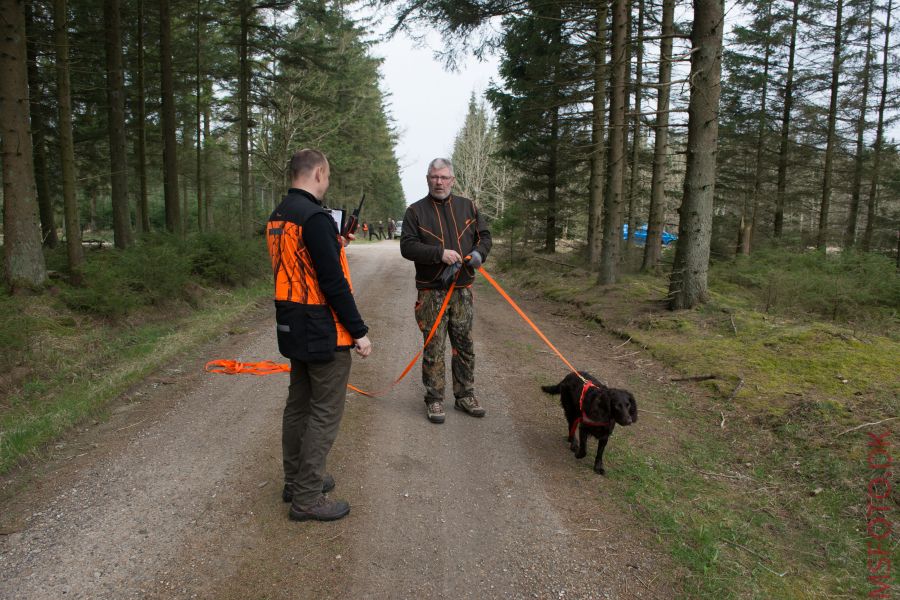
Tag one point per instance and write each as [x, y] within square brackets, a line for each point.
[427, 103]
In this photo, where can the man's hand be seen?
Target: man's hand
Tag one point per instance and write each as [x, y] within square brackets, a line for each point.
[346, 239]
[451, 256]
[475, 259]
[363, 346]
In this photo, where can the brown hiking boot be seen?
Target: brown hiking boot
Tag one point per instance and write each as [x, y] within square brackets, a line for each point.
[436, 411]
[325, 509]
[470, 405]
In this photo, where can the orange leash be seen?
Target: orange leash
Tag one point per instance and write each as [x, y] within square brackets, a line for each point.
[267, 367]
[527, 320]
[415, 359]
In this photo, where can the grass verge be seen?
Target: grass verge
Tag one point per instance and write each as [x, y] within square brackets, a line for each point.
[73, 348]
[766, 495]
[90, 364]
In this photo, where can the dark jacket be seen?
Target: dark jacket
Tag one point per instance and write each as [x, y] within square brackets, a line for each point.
[314, 304]
[431, 226]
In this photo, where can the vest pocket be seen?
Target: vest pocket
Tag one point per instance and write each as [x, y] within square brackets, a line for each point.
[305, 332]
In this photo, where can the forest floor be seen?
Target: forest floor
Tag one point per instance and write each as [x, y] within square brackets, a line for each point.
[178, 493]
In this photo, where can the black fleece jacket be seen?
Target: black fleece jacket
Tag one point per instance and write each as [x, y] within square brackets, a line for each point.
[431, 226]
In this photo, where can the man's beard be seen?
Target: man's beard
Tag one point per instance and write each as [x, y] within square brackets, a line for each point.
[442, 196]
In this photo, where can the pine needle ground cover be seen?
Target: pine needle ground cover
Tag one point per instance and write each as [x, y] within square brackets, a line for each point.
[67, 353]
[766, 495]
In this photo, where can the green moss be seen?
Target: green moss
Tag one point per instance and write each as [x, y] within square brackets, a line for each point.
[779, 491]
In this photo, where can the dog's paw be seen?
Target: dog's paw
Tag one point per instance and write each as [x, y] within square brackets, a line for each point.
[599, 470]
[581, 453]
[573, 446]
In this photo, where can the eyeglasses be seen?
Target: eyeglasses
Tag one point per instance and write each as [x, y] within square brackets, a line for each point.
[439, 178]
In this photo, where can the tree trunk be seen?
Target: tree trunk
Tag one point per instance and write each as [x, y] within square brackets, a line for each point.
[636, 128]
[23, 258]
[853, 213]
[688, 285]
[553, 166]
[185, 151]
[879, 138]
[656, 220]
[612, 225]
[822, 235]
[207, 175]
[115, 95]
[626, 155]
[74, 251]
[786, 126]
[92, 208]
[170, 145]
[595, 209]
[749, 221]
[143, 206]
[38, 136]
[244, 121]
[200, 216]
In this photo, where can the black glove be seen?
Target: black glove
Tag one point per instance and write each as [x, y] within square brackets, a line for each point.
[475, 259]
[449, 274]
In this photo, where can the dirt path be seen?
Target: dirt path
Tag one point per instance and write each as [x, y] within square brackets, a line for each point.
[178, 494]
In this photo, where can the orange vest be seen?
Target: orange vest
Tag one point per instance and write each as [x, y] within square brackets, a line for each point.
[300, 304]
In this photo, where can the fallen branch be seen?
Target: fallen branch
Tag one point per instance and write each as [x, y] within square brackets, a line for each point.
[867, 425]
[622, 344]
[738, 477]
[759, 556]
[556, 262]
[695, 378]
[737, 388]
[130, 426]
[733, 326]
[722, 424]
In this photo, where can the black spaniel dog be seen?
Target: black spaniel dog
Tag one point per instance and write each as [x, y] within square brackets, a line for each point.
[599, 411]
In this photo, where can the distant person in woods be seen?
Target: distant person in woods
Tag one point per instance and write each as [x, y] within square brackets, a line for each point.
[448, 239]
[381, 235]
[317, 325]
[392, 227]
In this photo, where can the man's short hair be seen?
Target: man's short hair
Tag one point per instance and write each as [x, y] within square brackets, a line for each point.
[440, 163]
[305, 161]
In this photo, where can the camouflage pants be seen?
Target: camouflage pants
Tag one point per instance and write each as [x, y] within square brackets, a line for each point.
[457, 322]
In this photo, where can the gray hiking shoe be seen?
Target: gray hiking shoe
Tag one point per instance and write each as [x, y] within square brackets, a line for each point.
[325, 509]
[470, 405]
[436, 411]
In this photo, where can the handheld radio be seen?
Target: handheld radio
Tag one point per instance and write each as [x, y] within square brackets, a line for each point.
[353, 221]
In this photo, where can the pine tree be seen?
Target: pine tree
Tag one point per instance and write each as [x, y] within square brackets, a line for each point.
[612, 210]
[74, 251]
[23, 260]
[689, 285]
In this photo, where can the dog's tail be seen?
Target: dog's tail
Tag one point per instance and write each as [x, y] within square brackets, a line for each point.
[551, 389]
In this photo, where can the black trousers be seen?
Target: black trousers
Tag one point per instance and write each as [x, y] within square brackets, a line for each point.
[312, 417]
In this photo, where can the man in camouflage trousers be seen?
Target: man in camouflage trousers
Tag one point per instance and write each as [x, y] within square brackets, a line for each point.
[448, 239]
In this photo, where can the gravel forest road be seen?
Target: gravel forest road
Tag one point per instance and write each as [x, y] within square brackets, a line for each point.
[177, 495]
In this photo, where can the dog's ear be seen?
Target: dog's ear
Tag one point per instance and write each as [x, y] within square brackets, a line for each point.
[632, 408]
[603, 403]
